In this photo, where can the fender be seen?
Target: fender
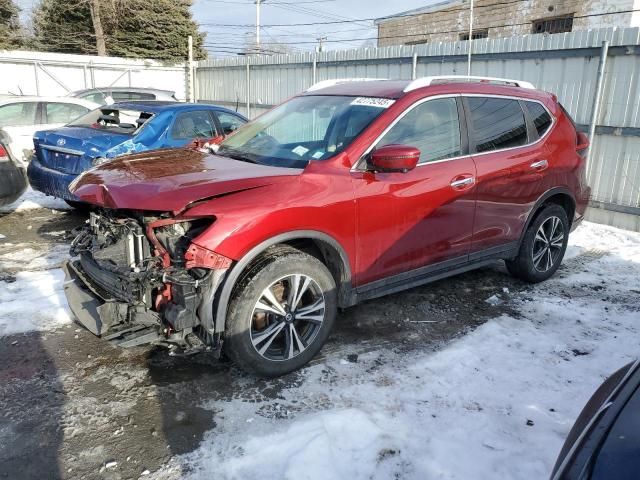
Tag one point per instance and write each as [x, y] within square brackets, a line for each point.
[345, 290]
[546, 195]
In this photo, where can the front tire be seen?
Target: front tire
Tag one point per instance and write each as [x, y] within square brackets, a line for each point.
[543, 246]
[281, 313]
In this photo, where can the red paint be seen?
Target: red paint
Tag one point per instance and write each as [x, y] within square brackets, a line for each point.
[395, 158]
[386, 223]
[199, 257]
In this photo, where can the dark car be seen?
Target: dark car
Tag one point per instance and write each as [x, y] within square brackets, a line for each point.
[350, 191]
[604, 443]
[13, 178]
[61, 154]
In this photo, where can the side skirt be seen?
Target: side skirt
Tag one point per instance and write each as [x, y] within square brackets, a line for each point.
[432, 273]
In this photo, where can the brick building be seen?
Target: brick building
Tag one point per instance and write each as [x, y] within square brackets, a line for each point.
[448, 20]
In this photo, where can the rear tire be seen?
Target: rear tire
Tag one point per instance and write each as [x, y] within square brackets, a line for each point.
[543, 246]
[281, 313]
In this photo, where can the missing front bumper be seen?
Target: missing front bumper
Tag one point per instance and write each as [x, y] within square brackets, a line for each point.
[101, 314]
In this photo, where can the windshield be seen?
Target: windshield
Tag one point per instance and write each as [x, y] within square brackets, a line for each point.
[114, 120]
[303, 129]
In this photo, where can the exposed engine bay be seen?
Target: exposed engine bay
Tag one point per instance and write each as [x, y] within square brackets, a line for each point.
[139, 279]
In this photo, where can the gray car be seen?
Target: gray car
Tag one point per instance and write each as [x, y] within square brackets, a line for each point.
[123, 94]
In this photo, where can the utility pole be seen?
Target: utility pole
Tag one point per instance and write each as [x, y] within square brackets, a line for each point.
[470, 38]
[94, 10]
[320, 47]
[190, 93]
[258, 24]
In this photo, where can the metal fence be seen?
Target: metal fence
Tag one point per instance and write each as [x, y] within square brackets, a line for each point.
[565, 64]
[55, 74]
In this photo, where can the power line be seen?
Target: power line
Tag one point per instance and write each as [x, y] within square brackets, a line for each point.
[457, 31]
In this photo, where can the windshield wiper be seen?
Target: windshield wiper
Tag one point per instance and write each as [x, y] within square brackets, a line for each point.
[236, 156]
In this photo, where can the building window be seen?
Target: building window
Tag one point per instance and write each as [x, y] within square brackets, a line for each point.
[476, 35]
[416, 42]
[553, 25]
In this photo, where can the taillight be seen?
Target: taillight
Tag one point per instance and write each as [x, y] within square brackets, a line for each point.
[3, 153]
[582, 144]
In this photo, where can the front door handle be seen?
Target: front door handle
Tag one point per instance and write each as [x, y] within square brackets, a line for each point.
[539, 165]
[464, 182]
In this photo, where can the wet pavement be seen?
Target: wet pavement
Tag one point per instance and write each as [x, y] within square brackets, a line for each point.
[72, 405]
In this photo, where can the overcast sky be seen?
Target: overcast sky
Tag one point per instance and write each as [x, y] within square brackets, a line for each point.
[224, 40]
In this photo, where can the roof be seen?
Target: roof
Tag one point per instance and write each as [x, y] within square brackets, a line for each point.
[371, 88]
[122, 89]
[394, 89]
[5, 100]
[432, 6]
[156, 106]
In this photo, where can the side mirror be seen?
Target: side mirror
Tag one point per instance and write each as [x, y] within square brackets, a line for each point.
[582, 141]
[394, 158]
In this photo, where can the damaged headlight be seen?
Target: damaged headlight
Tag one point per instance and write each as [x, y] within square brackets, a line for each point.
[177, 237]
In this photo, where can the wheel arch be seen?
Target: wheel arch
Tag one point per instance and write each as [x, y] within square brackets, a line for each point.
[559, 196]
[316, 243]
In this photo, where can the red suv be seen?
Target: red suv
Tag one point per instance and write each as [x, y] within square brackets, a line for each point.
[349, 191]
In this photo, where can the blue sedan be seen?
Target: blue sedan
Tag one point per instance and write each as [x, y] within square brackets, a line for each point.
[64, 153]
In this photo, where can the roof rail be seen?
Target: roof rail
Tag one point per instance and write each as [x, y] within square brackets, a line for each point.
[427, 81]
[338, 81]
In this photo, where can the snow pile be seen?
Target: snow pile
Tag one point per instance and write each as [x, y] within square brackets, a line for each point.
[497, 403]
[32, 199]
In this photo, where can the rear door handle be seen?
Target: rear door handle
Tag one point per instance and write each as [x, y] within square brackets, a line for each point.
[539, 165]
[463, 182]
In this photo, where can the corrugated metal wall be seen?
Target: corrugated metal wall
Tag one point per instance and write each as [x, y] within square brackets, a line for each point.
[56, 74]
[565, 64]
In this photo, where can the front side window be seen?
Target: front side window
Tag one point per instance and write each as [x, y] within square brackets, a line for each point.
[18, 114]
[306, 128]
[189, 125]
[114, 120]
[63, 112]
[432, 127]
[540, 116]
[498, 123]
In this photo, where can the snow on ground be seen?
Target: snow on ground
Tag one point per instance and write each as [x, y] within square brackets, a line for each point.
[32, 199]
[497, 403]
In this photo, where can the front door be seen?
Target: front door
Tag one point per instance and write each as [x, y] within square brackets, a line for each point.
[424, 217]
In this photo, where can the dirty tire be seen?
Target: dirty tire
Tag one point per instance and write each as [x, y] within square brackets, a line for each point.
[275, 268]
[527, 265]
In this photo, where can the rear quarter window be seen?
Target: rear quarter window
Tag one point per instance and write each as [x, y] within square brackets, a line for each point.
[541, 117]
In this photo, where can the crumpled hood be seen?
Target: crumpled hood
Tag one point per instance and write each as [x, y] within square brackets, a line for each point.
[171, 179]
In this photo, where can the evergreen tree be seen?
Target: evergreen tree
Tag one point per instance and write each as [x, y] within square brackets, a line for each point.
[130, 28]
[11, 33]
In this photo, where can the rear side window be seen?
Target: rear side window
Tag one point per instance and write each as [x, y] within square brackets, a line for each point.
[432, 127]
[541, 118]
[498, 123]
[120, 96]
[196, 124]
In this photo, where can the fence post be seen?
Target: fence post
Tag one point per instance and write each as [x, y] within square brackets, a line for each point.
[414, 66]
[248, 93]
[35, 72]
[314, 71]
[597, 99]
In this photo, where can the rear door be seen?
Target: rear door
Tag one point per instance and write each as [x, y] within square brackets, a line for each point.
[512, 169]
[422, 218]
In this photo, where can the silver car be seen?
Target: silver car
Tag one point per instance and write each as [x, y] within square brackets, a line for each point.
[108, 95]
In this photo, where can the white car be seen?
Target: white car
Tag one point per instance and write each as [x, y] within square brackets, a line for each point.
[22, 116]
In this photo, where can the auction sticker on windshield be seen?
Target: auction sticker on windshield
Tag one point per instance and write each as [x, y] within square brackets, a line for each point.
[373, 102]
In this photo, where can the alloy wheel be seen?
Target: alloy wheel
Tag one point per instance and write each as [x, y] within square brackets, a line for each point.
[287, 317]
[548, 244]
